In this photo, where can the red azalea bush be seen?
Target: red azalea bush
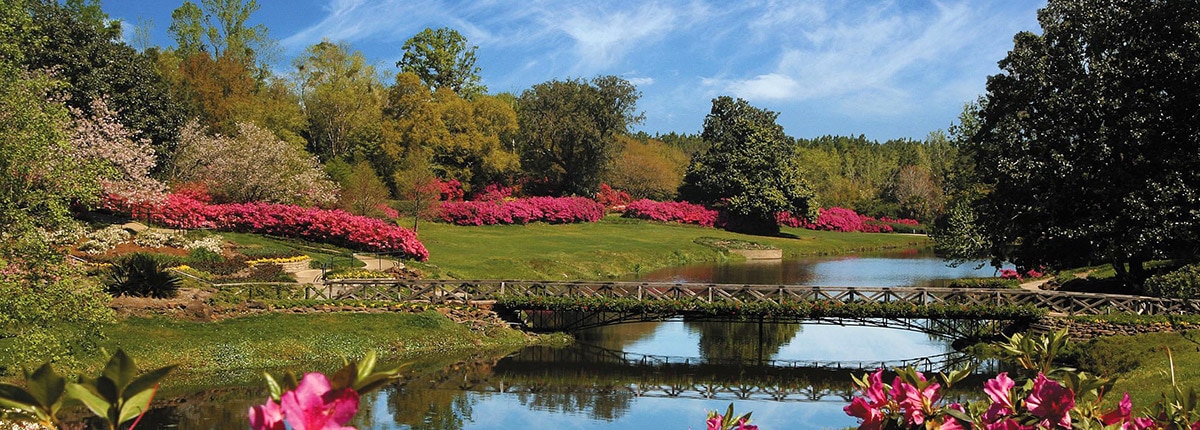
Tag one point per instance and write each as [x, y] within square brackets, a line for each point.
[554, 210]
[903, 221]
[681, 212]
[449, 191]
[493, 193]
[836, 219]
[612, 198]
[323, 225]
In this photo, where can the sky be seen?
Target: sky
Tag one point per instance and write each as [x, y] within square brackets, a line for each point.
[883, 69]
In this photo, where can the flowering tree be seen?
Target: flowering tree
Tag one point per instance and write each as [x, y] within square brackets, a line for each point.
[252, 166]
[125, 161]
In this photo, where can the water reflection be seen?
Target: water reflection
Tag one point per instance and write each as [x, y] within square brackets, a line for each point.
[904, 268]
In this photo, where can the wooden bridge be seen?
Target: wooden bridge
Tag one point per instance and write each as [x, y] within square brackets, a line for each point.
[604, 303]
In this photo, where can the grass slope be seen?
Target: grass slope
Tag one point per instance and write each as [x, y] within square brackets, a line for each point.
[611, 248]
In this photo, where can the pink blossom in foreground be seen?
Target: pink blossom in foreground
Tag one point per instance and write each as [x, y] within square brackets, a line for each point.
[999, 389]
[1051, 402]
[313, 405]
[1124, 415]
[268, 416]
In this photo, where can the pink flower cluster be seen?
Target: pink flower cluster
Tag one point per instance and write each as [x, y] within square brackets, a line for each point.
[1014, 274]
[493, 193]
[836, 219]
[912, 403]
[313, 405]
[681, 212]
[449, 191]
[554, 210]
[612, 198]
[323, 225]
[904, 221]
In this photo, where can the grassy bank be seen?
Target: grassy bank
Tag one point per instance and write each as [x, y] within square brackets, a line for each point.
[612, 248]
[1141, 363]
[237, 350]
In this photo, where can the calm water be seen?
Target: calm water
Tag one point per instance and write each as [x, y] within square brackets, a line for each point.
[664, 374]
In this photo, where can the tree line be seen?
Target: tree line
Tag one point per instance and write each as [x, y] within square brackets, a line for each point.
[1080, 152]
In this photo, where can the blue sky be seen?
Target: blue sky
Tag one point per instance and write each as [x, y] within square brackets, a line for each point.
[885, 69]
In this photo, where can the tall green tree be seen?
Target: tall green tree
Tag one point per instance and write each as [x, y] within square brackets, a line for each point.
[749, 169]
[1090, 137]
[220, 28]
[443, 59]
[342, 96]
[95, 65]
[568, 130]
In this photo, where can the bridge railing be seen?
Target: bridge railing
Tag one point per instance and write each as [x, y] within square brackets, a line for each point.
[465, 291]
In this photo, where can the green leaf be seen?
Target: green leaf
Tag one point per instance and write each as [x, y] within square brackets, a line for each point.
[136, 404]
[344, 377]
[958, 414]
[12, 396]
[90, 398]
[146, 382]
[276, 393]
[120, 369]
[45, 385]
[366, 366]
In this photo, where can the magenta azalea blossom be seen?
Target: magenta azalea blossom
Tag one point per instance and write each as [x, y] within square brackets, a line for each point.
[1124, 415]
[875, 390]
[1051, 402]
[267, 417]
[918, 403]
[714, 422]
[1007, 424]
[313, 405]
[999, 389]
[871, 416]
[743, 426]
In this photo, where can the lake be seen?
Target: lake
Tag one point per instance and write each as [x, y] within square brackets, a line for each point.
[666, 374]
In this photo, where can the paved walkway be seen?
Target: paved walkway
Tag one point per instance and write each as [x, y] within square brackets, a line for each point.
[377, 263]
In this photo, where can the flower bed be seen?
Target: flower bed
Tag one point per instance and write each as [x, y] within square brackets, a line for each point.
[554, 210]
[681, 212]
[841, 219]
[323, 225]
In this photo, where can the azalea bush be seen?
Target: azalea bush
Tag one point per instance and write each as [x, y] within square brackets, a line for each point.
[681, 212]
[1046, 398]
[612, 198]
[553, 210]
[836, 219]
[317, 401]
[322, 225]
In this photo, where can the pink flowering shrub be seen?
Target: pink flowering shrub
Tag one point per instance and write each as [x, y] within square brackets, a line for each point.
[323, 225]
[553, 210]
[449, 191]
[494, 193]
[1014, 274]
[836, 219]
[903, 221]
[612, 198]
[681, 212]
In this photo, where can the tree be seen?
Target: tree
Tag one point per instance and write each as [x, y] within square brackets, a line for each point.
[1090, 137]
[647, 169]
[568, 130]
[467, 140]
[362, 191]
[917, 193]
[342, 97]
[442, 59]
[253, 165]
[95, 65]
[124, 162]
[749, 168]
[219, 28]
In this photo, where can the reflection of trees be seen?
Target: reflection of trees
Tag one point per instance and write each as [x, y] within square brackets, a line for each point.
[747, 342]
[600, 401]
[437, 400]
[617, 337]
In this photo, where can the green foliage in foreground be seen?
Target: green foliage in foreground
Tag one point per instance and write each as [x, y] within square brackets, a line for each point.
[612, 248]
[787, 310]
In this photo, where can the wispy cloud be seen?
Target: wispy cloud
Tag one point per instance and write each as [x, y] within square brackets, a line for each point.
[869, 58]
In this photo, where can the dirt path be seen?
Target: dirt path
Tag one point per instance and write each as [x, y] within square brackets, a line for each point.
[377, 263]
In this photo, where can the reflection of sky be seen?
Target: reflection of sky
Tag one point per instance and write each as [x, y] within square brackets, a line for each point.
[506, 412]
[890, 272]
[813, 342]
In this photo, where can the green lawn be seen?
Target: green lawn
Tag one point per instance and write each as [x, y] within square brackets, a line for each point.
[1141, 364]
[611, 248]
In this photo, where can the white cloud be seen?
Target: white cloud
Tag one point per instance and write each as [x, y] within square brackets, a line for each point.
[602, 37]
[641, 81]
[867, 59]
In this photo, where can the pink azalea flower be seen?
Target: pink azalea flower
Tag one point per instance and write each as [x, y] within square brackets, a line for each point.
[314, 406]
[1006, 424]
[743, 426]
[267, 417]
[999, 389]
[871, 416]
[917, 404]
[1051, 402]
[875, 390]
[1124, 415]
[714, 422]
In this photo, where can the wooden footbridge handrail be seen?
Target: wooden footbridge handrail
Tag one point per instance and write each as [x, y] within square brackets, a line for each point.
[465, 291]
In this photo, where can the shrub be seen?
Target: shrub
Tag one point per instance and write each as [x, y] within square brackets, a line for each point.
[156, 239]
[331, 226]
[211, 244]
[836, 219]
[269, 273]
[554, 210]
[612, 198]
[142, 275]
[491, 193]
[105, 239]
[1183, 283]
[681, 212]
